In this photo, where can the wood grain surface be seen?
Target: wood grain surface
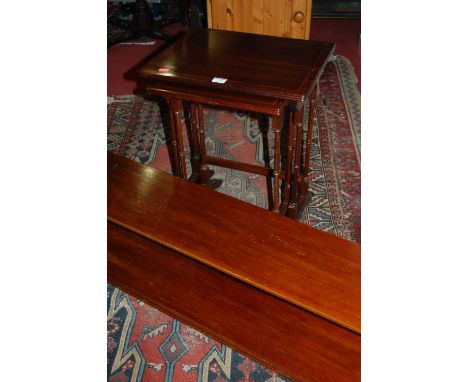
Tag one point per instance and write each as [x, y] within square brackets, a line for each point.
[267, 17]
[282, 336]
[266, 65]
[309, 268]
[205, 96]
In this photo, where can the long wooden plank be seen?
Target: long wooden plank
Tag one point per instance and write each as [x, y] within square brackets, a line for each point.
[312, 269]
[278, 334]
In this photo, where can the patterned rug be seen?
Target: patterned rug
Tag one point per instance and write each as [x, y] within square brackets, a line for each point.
[144, 344]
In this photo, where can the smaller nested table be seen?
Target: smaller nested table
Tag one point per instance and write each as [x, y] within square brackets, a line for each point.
[197, 97]
[241, 70]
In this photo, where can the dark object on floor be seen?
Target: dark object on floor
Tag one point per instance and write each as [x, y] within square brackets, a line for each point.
[138, 20]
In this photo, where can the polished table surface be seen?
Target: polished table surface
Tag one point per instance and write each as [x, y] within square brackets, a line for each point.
[279, 335]
[276, 290]
[307, 267]
[271, 66]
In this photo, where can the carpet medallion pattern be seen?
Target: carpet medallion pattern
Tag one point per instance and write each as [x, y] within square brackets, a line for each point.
[144, 344]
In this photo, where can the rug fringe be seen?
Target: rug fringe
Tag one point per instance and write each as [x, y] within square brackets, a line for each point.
[120, 99]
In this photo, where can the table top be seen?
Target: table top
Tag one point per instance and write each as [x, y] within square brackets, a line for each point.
[253, 322]
[314, 270]
[256, 64]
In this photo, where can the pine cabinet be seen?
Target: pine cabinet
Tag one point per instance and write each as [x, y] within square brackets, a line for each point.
[285, 18]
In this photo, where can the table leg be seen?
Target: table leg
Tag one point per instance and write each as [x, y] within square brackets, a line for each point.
[304, 186]
[196, 166]
[298, 120]
[288, 167]
[276, 124]
[174, 139]
[176, 108]
[201, 127]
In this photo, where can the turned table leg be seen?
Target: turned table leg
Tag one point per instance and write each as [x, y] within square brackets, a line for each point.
[276, 124]
[196, 166]
[176, 109]
[174, 145]
[298, 121]
[288, 166]
[201, 127]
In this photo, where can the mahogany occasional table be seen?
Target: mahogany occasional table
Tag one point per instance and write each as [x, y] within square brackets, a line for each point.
[234, 64]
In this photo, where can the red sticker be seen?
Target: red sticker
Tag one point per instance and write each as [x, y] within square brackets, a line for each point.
[164, 70]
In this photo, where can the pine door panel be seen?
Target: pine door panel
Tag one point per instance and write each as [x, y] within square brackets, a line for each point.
[285, 18]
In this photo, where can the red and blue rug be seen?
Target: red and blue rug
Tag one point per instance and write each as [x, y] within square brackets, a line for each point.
[146, 345]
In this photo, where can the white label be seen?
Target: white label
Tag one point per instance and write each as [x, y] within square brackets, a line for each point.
[219, 80]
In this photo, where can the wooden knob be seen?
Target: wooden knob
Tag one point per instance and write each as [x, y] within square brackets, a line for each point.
[299, 17]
